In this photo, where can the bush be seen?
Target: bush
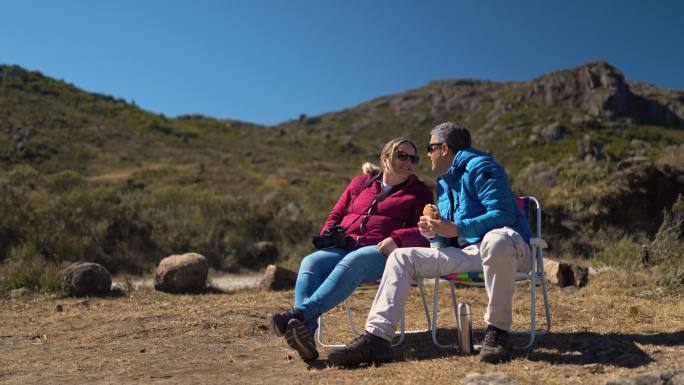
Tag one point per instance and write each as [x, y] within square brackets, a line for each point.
[26, 268]
[61, 218]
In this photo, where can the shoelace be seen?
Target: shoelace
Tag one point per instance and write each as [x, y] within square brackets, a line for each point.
[494, 338]
[356, 342]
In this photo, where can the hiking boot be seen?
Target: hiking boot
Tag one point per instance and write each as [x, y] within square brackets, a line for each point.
[496, 347]
[300, 339]
[279, 320]
[366, 348]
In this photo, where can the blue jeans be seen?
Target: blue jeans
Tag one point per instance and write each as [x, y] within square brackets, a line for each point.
[326, 277]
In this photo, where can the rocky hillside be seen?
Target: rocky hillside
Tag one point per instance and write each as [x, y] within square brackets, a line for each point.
[605, 155]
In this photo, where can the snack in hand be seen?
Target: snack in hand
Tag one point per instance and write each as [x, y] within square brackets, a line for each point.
[431, 211]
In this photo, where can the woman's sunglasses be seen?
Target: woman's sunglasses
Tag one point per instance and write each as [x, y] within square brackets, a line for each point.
[404, 156]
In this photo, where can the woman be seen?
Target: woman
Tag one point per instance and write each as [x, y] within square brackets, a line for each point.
[378, 212]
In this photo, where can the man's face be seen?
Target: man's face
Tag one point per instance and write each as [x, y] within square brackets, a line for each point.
[440, 156]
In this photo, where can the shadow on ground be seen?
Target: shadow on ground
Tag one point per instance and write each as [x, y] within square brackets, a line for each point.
[615, 349]
[621, 350]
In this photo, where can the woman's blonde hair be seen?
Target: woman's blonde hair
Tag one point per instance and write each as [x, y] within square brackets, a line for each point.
[389, 152]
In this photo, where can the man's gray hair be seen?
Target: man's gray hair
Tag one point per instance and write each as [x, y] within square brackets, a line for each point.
[455, 135]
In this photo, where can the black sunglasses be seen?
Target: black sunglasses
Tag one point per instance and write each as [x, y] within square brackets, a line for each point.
[431, 147]
[404, 156]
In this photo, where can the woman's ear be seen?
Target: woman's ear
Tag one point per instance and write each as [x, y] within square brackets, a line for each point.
[385, 162]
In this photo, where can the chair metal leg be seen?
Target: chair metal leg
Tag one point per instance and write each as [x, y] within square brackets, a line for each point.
[544, 284]
[421, 289]
[435, 307]
[533, 299]
[350, 321]
[537, 272]
[319, 335]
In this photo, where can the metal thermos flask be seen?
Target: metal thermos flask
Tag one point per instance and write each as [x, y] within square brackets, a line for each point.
[465, 328]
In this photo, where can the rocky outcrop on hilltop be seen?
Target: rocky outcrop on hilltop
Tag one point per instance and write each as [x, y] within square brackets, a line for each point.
[600, 90]
[592, 94]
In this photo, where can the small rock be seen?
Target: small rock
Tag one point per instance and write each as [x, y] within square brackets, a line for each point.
[59, 308]
[116, 290]
[565, 274]
[632, 162]
[278, 278]
[540, 174]
[20, 292]
[496, 378]
[580, 275]
[84, 302]
[555, 131]
[594, 368]
[665, 377]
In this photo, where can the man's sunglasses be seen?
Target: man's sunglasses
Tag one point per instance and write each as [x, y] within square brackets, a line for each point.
[404, 156]
[431, 147]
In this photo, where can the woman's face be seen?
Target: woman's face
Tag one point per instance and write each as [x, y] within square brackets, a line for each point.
[402, 166]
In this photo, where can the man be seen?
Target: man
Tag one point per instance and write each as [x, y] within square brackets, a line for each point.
[480, 229]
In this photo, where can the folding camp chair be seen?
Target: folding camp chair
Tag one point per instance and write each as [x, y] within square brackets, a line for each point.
[402, 332]
[536, 273]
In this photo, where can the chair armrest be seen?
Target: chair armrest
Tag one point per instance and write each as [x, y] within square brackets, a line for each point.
[538, 242]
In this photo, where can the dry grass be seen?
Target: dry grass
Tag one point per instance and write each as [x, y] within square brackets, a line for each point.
[149, 337]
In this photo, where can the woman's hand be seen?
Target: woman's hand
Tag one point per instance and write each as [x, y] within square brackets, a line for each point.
[446, 229]
[387, 246]
[424, 227]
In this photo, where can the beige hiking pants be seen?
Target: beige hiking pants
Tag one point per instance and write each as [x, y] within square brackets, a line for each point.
[501, 253]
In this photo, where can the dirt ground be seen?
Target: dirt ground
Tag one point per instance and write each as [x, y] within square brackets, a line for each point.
[599, 331]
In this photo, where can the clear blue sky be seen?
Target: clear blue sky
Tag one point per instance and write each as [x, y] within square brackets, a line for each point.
[269, 61]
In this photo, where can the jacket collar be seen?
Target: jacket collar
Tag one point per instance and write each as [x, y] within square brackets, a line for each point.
[408, 182]
[461, 159]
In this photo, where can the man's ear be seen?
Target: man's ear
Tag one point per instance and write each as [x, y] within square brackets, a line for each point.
[445, 149]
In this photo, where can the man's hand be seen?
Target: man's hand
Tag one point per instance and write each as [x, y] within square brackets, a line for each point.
[424, 227]
[387, 246]
[442, 228]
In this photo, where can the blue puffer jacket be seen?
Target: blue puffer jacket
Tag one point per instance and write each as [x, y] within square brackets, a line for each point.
[481, 195]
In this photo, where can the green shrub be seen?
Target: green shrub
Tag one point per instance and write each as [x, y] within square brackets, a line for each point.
[26, 267]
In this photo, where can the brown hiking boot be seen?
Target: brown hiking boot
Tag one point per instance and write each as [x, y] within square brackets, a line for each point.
[300, 339]
[279, 320]
[366, 348]
[496, 347]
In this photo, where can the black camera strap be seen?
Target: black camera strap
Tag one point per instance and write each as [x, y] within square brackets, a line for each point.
[381, 197]
[365, 186]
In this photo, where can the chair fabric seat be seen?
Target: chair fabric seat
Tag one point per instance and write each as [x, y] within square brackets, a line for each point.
[477, 277]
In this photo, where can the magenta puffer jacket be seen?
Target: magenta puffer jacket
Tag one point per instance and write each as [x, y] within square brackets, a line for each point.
[396, 216]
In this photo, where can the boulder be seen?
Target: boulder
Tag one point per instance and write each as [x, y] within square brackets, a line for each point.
[182, 273]
[278, 278]
[86, 279]
[565, 274]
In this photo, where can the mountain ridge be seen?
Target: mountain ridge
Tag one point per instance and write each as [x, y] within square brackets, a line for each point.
[583, 140]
